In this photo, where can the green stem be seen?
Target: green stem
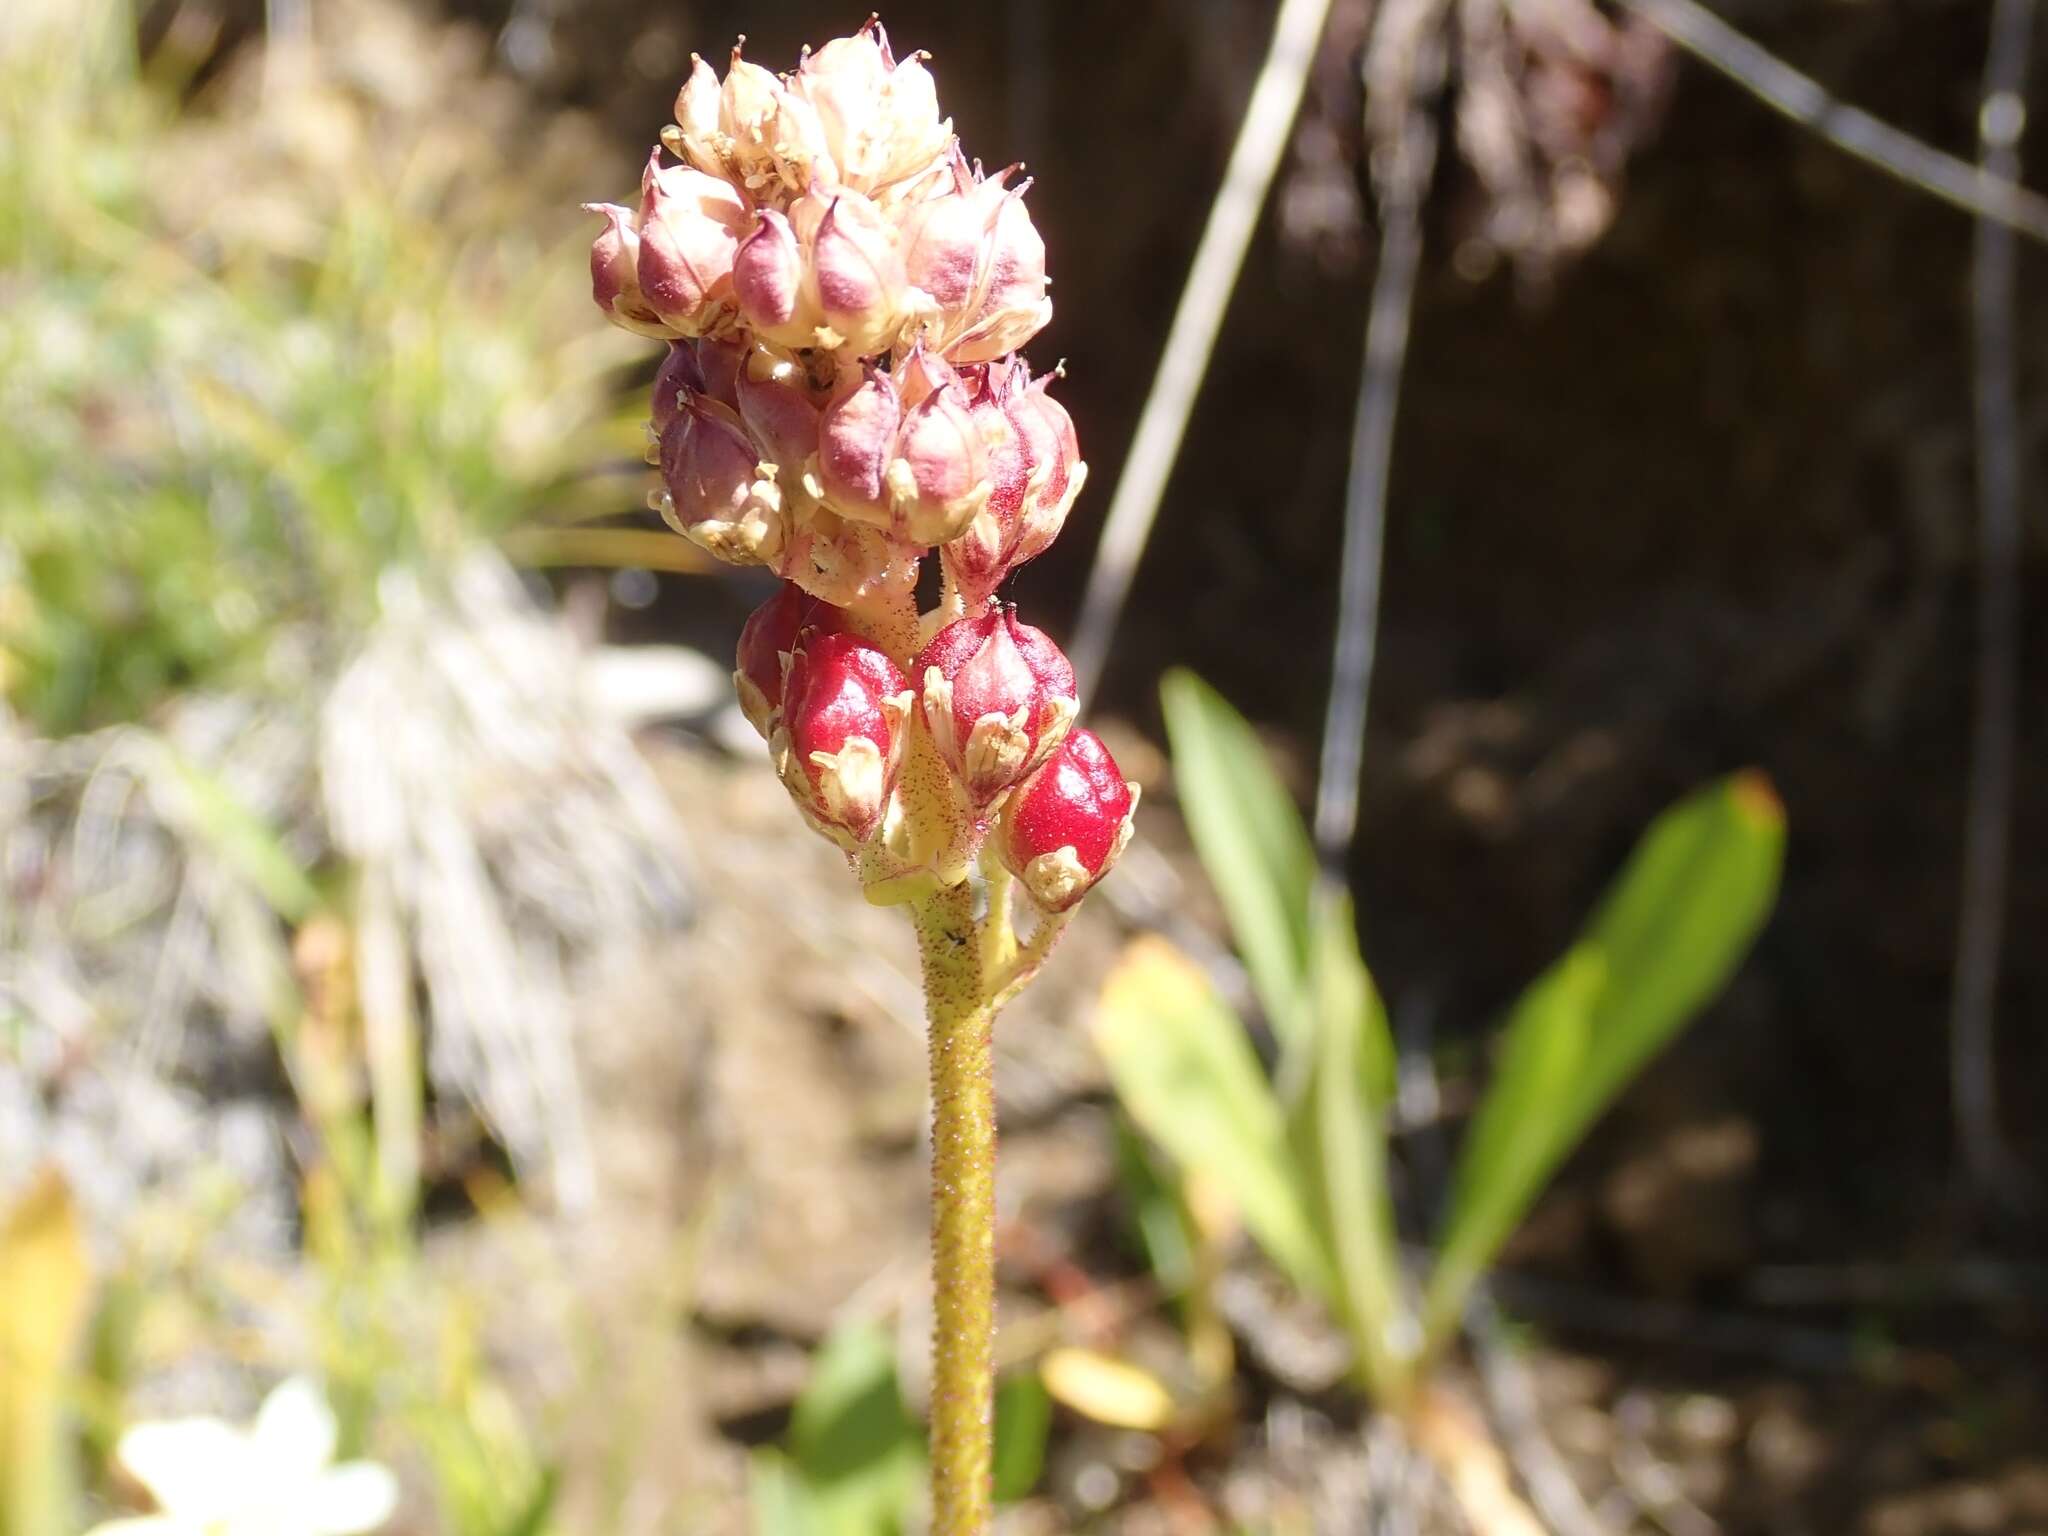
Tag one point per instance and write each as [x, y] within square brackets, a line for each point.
[963, 1213]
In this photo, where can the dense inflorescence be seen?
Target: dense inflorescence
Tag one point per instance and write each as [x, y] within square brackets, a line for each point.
[843, 295]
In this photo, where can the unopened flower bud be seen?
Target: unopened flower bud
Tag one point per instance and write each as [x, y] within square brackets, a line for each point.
[767, 641]
[697, 136]
[770, 134]
[690, 228]
[717, 493]
[1035, 472]
[938, 473]
[1062, 831]
[998, 698]
[777, 409]
[1010, 304]
[839, 745]
[615, 272]
[922, 372]
[880, 119]
[858, 276]
[1058, 473]
[856, 440]
[769, 279]
[942, 241]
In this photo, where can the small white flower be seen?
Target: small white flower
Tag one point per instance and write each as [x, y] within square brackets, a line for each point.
[210, 1478]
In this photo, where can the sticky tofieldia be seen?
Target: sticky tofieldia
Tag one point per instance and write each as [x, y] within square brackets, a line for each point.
[843, 295]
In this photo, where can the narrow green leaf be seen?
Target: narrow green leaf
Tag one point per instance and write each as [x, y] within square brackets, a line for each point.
[1156, 1209]
[1251, 838]
[1340, 1147]
[1023, 1423]
[1676, 924]
[1187, 1075]
[1664, 940]
[1514, 1142]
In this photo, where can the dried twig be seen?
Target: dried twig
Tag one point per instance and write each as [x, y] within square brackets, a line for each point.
[1404, 71]
[1988, 826]
[1983, 190]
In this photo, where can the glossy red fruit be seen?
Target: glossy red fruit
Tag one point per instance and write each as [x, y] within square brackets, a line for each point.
[767, 640]
[1062, 831]
[840, 740]
[998, 698]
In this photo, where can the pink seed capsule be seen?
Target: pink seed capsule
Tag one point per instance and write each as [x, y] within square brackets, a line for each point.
[690, 228]
[1063, 830]
[844, 704]
[997, 697]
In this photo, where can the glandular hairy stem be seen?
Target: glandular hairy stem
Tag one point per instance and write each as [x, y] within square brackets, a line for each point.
[963, 1212]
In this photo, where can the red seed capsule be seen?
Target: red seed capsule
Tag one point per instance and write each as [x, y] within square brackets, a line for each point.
[1061, 832]
[998, 697]
[767, 641]
[844, 704]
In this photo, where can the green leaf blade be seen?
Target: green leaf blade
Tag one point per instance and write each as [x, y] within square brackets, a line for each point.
[1251, 840]
[1665, 938]
[1184, 1070]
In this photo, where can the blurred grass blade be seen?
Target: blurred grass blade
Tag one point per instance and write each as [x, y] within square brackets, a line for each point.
[1186, 1073]
[216, 818]
[1151, 1191]
[1023, 1424]
[45, 1283]
[1251, 839]
[1340, 1146]
[1663, 941]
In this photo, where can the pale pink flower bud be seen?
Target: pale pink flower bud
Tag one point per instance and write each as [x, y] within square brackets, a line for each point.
[1069, 823]
[923, 371]
[1034, 474]
[1010, 305]
[690, 226]
[777, 410]
[772, 134]
[697, 138]
[769, 279]
[858, 276]
[856, 441]
[938, 475]
[1058, 473]
[942, 240]
[840, 743]
[880, 118]
[717, 493]
[615, 272]
[998, 698]
[767, 641]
